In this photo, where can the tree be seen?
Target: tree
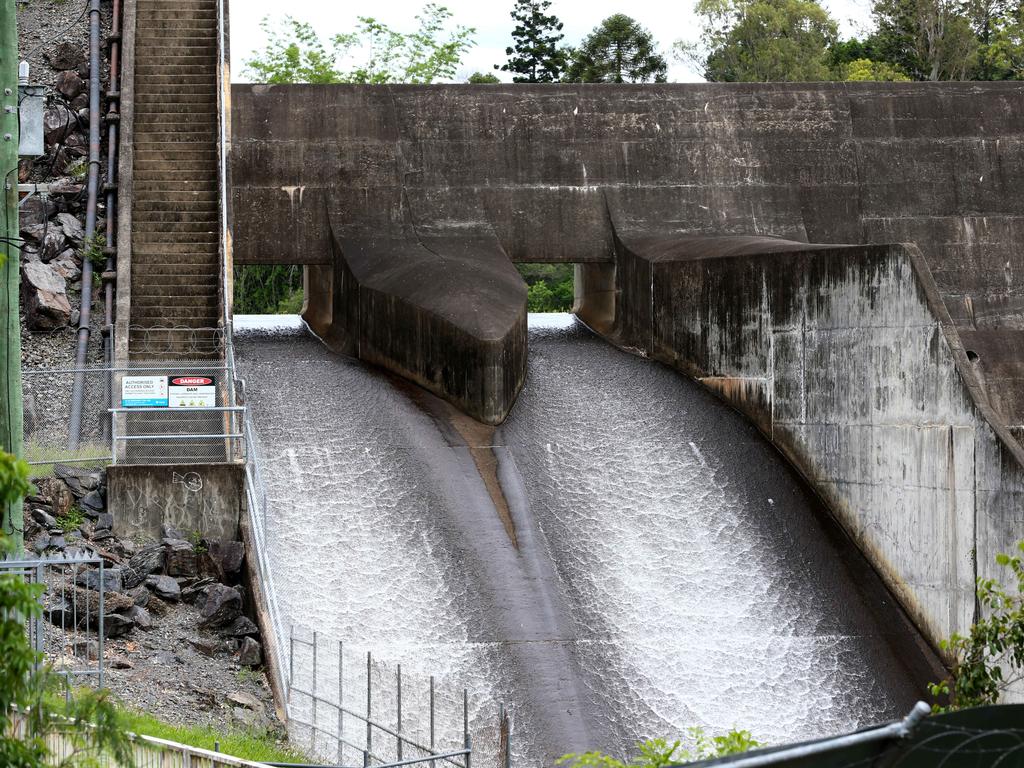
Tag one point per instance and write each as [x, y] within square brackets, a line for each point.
[479, 78]
[536, 56]
[866, 69]
[990, 658]
[295, 54]
[762, 41]
[927, 39]
[27, 686]
[619, 50]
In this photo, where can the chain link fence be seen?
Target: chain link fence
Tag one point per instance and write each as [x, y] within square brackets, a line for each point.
[189, 434]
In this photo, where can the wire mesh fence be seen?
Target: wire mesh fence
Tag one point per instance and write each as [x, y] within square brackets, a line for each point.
[349, 707]
[179, 431]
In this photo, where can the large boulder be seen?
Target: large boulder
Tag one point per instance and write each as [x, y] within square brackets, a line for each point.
[164, 587]
[59, 122]
[144, 562]
[223, 606]
[71, 226]
[44, 297]
[68, 84]
[66, 55]
[112, 580]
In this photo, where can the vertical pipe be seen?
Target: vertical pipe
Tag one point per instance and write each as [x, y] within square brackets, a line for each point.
[113, 117]
[398, 738]
[11, 519]
[82, 344]
[291, 657]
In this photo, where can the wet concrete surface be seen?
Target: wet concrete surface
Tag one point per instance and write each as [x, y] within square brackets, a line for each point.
[625, 557]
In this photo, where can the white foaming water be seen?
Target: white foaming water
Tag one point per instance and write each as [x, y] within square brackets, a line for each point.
[699, 582]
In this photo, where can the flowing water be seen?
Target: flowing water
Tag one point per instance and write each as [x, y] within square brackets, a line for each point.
[649, 564]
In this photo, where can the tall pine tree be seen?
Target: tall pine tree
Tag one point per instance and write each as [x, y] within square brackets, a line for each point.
[535, 57]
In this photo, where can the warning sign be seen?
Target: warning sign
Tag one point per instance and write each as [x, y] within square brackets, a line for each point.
[192, 392]
[144, 392]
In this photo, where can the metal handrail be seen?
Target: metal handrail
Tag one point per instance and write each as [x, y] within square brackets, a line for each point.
[163, 409]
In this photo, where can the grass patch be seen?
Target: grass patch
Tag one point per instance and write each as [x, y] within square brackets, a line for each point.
[258, 746]
[93, 454]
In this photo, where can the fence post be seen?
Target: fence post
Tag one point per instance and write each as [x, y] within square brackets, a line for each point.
[432, 763]
[312, 745]
[465, 724]
[366, 758]
[369, 726]
[398, 729]
[101, 638]
[341, 701]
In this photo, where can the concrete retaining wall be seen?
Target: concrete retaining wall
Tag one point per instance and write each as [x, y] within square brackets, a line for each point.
[190, 497]
[847, 360]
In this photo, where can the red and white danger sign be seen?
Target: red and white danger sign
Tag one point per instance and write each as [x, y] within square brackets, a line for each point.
[192, 392]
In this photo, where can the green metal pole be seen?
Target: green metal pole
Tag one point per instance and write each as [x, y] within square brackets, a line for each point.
[10, 335]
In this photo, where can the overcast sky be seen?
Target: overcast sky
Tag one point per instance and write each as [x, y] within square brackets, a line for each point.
[669, 21]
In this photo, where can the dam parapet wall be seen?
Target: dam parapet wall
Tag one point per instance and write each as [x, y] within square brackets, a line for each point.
[847, 361]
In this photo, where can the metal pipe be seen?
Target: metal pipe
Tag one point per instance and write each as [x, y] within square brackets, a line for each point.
[82, 348]
[113, 119]
[899, 730]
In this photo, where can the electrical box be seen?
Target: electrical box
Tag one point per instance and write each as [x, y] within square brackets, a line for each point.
[31, 103]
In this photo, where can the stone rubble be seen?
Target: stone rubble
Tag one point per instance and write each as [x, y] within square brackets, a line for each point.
[180, 595]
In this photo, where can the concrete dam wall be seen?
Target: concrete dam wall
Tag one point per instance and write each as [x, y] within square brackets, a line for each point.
[892, 376]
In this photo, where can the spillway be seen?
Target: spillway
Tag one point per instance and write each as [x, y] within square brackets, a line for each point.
[624, 557]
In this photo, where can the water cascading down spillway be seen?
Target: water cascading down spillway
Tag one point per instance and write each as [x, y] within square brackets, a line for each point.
[647, 563]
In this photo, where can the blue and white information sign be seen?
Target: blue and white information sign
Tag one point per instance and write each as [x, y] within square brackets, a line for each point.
[144, 392]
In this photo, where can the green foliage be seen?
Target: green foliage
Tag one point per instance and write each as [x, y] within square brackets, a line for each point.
[658, 753]
[14, 486]
[619, 50]
[762, 41]
[196, 540]
[70, 520]
[89, 721]
[549, 287]
[536, 56]
[990, 658]
[268, 289]
[92, 249]
[482, 78]
[927, 39]
[296, 54]
[866, 69]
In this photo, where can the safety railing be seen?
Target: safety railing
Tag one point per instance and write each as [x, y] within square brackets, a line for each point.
[110, 432]
[397, 721]
[70, 629]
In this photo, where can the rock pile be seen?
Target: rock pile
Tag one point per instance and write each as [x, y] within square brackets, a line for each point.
[52, 223]
[140, 584]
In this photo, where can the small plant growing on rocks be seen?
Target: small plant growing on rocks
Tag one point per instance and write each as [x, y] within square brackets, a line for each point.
[990, 657]
[70, 520]
[196, 540]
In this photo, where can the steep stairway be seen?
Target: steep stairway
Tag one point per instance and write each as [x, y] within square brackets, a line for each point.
[175, 260]
[175, 229]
